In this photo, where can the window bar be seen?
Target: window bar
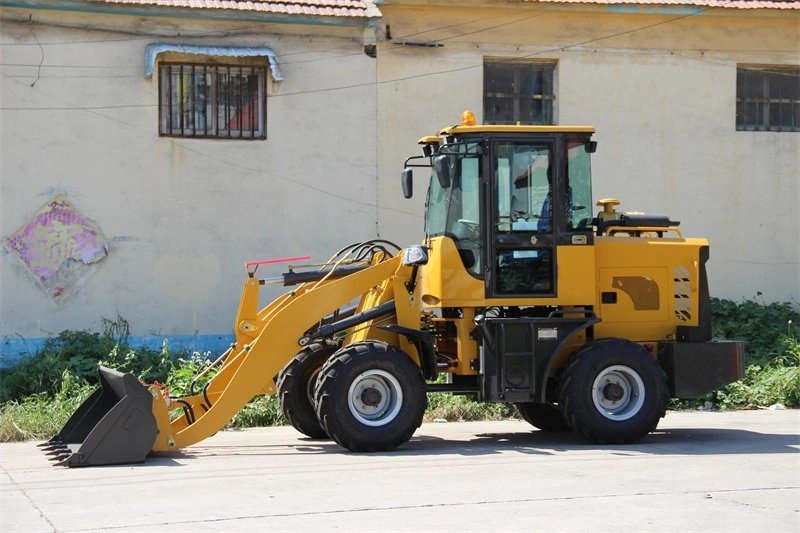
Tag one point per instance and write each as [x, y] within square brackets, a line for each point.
[243, 99]
[250, 114]
[210, 122]
[252, 93]
[232, 104]
[193, 101]
[765, 102]
[204, 100]
[240, 98]
[254, 103]
[225, 95]
[179, 102]
[262, 102]
[165, 79]
[161, 101]
[217, 93]
[212, 101]
[207, 90]
[175, 119]
[516, 91]
[170, 88]
[176, 85]
[238, 103]
[228, 102]
[547, 103]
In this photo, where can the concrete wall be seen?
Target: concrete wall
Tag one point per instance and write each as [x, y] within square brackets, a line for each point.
[180, 216]
[659, 84]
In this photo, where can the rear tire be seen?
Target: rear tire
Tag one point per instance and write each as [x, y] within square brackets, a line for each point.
[370, 397]
[543, 416]
[613, 392]
[295, 389]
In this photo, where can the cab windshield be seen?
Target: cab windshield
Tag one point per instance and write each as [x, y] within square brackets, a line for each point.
[455, 211]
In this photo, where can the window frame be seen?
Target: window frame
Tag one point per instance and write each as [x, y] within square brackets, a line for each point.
[211, 118]
[764, 100]
[547, 95]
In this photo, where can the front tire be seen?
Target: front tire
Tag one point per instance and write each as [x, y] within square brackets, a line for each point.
[370, 397]
[296, 389]
[613, 392]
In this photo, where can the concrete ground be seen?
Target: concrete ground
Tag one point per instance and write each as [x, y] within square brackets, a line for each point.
[702, 471]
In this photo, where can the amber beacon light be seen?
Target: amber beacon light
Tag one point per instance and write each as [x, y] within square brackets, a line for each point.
[467, 118]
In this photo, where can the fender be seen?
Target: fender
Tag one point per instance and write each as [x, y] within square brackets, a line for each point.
[551, 355]
[423, 342]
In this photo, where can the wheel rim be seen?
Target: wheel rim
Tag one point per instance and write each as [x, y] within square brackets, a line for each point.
[312, 379]
[375, 398]
[618, 393]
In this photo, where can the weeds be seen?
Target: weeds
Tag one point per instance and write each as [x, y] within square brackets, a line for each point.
[41, 416]
[80, 352]
[187, 370]
[776, 382]
[458, 408]
[262, 411]
[765, 328]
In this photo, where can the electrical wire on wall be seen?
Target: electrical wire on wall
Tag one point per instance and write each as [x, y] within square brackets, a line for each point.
[535, 12]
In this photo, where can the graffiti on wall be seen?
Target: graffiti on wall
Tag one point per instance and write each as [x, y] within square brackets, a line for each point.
[56, 246]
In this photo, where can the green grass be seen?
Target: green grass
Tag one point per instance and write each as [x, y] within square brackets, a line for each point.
[40, 416]
[443, 406]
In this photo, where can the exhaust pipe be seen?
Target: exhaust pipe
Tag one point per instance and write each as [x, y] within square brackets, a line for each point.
[115, 425]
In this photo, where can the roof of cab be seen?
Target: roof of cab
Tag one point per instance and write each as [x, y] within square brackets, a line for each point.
[489, 128]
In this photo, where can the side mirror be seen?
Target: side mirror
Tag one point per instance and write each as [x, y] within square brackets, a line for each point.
[407, 181]
[591, 147]
[442, 168]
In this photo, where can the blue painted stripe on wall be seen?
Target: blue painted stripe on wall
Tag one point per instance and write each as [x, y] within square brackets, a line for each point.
[12, 349]
[655, 9]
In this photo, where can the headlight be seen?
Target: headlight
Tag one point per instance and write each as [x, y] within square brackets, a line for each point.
[415, 255]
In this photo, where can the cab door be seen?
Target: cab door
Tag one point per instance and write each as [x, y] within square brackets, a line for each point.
[522, 251]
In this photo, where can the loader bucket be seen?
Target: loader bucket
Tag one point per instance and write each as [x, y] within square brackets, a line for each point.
[115, 425]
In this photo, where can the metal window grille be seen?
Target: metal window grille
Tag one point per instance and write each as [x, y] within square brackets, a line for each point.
[517, 91]
[213, 101]
[768, 99]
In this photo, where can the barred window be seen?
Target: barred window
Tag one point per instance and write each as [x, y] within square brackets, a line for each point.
[768, 98]
[216, 101]
[518, 91]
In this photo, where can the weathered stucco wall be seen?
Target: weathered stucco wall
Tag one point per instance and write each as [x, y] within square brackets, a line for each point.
[660, 87]
[180, 216]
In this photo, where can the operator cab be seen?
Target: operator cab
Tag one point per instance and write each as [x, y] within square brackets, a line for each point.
[529, 186]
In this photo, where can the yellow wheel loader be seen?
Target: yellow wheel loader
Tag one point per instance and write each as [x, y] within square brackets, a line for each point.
[518, 294]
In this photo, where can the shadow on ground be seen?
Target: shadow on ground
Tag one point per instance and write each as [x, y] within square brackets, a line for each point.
[673, 441]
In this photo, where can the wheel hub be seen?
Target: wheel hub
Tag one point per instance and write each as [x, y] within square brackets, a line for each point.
[613, 392]
[375, 397]
[618, 393]
[371, 397]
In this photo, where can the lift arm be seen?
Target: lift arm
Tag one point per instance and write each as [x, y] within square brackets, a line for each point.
[250, 367]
